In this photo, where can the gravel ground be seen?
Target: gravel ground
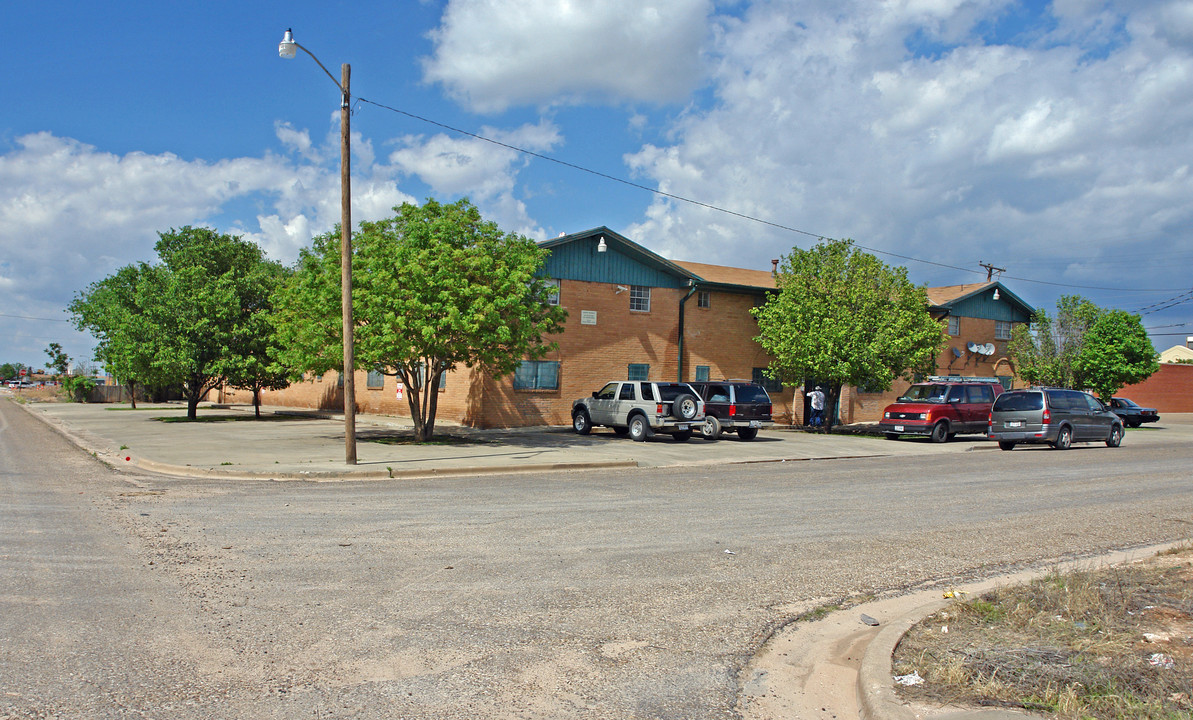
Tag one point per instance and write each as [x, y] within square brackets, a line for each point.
[599, 594]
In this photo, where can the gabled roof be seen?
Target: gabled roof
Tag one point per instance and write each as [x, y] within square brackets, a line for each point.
[624, 245]
[952, 298]
[1176, 352]
[575, 256]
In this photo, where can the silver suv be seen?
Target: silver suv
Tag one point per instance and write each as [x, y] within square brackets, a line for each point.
[640, 409]
[1054, 416]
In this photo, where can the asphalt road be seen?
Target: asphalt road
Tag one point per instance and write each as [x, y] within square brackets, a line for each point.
[589, 594]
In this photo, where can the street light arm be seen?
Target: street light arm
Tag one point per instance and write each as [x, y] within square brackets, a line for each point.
[285, 52]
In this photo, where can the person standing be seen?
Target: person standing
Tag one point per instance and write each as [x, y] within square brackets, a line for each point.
[817, 399]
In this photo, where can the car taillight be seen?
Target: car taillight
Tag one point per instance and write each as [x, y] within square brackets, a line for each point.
[658, 409]
[1047, 417]
[990, 420]
[732, 410]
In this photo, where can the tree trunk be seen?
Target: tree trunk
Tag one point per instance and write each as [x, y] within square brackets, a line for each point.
[132, 393]
[257, 402]
[830, 406]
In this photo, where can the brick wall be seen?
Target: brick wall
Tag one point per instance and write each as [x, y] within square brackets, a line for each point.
[1170, 389]
[720, 336]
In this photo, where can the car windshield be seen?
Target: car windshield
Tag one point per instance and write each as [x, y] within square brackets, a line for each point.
[1019, 402]
[925, 393]
[1126, 403]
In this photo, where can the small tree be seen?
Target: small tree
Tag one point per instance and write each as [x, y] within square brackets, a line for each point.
[59, 361]
[843, 317]
[1046, 351]
[1116, 351]
[434, 286]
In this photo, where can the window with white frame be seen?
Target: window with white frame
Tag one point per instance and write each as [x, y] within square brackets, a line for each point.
[704, 299]
[954, 325]
[1002, 330]
[640, 298]
[375, 380]
[552, 292]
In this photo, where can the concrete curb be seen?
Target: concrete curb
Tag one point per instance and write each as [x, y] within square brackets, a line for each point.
[876, 696]
[350, 475]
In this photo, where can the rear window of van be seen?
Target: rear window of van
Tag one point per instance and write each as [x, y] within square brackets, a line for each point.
[1019, 402]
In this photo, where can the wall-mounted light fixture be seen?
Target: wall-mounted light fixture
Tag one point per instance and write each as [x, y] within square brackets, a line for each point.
[620, 289]
[996, 293]
[601, 246]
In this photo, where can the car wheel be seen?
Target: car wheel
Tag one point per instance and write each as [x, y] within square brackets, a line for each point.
[747, 433]
[639, 428]
[685, 407]
[892, 436]
[1006, 445]
[1064, 439]
[682, 435]
[621, 431]
[581, 423]
[1116, 437]
[940, 432]
[711, 429]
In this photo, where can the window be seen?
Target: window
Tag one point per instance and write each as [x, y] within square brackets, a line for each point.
[1007, 382]
[979, 394]
[640, 298]
[769, 384]
[339, 379]
[954, 325]
[537, 375]
[638, 371]
[375, 381]
[1002, 330]
[552, 292]
[701, 373]
[627, 391]
[704, 299]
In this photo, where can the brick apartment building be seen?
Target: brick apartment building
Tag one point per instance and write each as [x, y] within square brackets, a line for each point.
[633, 314]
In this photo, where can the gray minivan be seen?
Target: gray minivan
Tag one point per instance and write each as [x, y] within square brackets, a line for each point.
[1052, 415]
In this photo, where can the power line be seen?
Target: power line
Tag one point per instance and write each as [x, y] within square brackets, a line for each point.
[717, 208]
[26, 317]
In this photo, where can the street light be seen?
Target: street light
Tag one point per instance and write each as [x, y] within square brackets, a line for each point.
[287, 48]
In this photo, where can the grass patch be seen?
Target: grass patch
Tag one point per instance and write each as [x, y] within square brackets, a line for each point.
[1109, 643]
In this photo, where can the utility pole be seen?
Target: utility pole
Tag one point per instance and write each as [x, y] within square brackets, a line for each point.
[990, 270]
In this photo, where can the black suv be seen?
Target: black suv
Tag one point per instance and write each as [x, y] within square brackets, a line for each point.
[736, 406]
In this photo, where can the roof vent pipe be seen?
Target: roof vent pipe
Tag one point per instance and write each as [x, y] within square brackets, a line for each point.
[774, 267]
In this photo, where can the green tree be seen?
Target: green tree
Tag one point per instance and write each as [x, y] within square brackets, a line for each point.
[9, 370]
[183, 321]
[1045, 352]
[112, 311]
[255, 366]
[842, 317]
[1116, 351]
[434, 286]
[59, 361]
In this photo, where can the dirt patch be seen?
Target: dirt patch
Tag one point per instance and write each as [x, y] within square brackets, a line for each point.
[1114, 642]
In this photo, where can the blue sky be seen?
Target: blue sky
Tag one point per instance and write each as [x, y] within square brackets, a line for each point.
[1050, 139]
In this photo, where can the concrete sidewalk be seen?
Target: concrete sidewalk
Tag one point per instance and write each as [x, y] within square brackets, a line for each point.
[228, 441]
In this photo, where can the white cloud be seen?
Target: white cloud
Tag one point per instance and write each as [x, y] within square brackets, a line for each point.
[483, 170]
[1032, 154]
[491, 54]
